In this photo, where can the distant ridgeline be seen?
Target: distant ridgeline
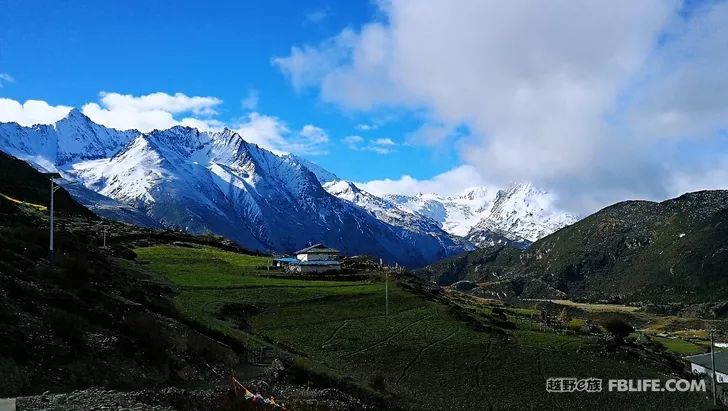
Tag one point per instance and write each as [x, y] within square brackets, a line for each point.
[672, 251]
[203, 182]
[216, 182]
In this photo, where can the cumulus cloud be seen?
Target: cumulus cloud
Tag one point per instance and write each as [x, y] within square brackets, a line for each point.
[565, 94]
[450, 183]
[353, 142]
[161, 111]
[6, 78]
[31, 112]
[151, 111]
[273, 133]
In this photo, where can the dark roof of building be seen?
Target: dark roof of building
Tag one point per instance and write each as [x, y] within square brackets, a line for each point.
[317, 248]
[721, 361]
[287, 260]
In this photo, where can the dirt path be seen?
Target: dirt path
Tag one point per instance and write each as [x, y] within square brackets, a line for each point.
[396, 333]
[333, 334]
[479, 375]
[407, 367]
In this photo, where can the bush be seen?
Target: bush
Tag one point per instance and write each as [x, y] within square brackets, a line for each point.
[618, 328]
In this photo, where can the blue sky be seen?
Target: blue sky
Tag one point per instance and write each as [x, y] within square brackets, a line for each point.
[596, 102]
[67, 55]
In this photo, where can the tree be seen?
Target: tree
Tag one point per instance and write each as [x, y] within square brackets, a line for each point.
[564, 317]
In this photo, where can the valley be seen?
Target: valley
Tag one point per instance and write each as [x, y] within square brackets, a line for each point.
[162, 314]
[431, 351]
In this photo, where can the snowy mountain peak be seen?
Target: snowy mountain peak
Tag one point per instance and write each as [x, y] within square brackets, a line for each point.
[474, 193]
[519, 212]
[75, 116]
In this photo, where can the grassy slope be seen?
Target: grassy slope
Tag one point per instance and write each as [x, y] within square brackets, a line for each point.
[673, 251]
[21, 182]
[424, 356]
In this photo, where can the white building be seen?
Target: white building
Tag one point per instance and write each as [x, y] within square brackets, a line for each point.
[317, 258]
[701, 364]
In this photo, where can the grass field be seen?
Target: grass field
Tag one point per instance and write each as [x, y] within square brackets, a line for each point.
[420, 353]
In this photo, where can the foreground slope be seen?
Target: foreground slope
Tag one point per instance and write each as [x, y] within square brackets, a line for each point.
[672, 251]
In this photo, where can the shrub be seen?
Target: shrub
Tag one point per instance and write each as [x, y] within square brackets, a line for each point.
[618, 328]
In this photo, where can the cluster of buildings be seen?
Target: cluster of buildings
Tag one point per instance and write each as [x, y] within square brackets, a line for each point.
[317, 258]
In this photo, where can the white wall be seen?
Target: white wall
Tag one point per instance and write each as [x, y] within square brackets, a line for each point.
[315, 257]
[698, 369]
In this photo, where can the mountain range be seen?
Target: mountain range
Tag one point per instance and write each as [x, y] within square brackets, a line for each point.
[215, 181]
[517, 215]
[674, 251]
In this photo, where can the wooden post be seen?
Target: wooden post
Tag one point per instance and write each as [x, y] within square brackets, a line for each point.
[386, 293]
[712, 366]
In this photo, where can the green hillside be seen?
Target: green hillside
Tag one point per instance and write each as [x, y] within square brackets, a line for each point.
[21, 182]
[673, 251]
[430, 352]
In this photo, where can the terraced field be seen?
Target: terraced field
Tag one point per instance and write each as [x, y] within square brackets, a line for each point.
[420, 355]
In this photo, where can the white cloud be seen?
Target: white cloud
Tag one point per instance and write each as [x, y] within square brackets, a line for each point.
[266, 131]
[450, 183]
[685, 97]
[177, 103]
[152, 111]
[353, 141]
[161, 111]
[382, 145]
[565, 94]
[250, 102]
[704, 177]
[431, 134]
[6, 78]
[31, 112]
[315, 135]
[317, 16]
[383, 142]
[273, 133]
[366, 127]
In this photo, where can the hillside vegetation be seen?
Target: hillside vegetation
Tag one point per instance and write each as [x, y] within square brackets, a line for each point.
[430, 352]
[673, 251]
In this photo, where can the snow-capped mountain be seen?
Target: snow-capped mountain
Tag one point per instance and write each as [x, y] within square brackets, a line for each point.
[69, 140]
[217, 182]
[456, 215]
[384, 209]
[522, 212]
[519, 215]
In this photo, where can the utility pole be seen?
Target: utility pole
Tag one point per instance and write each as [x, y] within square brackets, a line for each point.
[712, 368]
[51, 252]
[386, 293]
[54, 188]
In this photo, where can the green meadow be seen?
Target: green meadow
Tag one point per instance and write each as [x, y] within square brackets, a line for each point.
[420, 356]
